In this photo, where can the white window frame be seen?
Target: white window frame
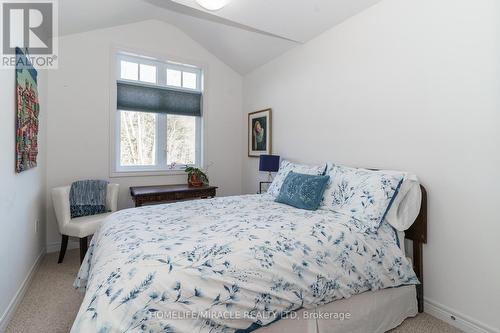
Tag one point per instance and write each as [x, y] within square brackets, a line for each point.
[160, 167]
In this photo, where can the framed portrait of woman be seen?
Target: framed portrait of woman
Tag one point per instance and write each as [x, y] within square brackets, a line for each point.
[259, 133]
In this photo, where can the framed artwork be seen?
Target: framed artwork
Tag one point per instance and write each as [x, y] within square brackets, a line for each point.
[259, 133]
[27, 110]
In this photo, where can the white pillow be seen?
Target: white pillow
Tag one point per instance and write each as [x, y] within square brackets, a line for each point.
[406, 206]
[286, 167]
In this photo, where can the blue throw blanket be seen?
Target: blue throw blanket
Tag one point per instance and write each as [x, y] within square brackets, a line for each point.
[88, 197]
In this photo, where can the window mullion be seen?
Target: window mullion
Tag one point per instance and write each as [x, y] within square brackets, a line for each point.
[162, 74]
[118, 146]
[198, 159]
[161, 148]
[162, 121]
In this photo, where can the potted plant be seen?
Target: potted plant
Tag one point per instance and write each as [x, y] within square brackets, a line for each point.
[196, 177]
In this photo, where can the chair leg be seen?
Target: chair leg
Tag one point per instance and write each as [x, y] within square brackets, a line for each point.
[64, 245]
[83, 248]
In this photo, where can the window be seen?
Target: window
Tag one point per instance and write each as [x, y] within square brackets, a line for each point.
[158, 122]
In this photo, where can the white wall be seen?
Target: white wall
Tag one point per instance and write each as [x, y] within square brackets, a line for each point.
[411, 85]
[22, 198]
[78, 123]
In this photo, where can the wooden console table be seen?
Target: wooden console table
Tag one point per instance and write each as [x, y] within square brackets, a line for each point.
[164, 193]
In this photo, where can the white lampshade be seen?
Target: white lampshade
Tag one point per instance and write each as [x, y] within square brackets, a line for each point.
[212, 4]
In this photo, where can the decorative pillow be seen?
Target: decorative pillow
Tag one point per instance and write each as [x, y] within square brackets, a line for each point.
[364, 195]
[303, 191]
[285, 168]
[406, 207]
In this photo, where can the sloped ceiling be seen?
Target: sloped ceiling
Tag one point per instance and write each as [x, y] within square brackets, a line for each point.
[245, 34]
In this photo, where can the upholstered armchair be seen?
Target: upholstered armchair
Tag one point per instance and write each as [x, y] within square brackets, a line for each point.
[80, 227]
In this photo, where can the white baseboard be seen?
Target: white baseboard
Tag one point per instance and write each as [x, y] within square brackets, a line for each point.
[56, 246]
[14, 303]
[455, 318]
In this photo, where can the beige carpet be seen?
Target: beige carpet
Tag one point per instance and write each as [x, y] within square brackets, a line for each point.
[51, 303]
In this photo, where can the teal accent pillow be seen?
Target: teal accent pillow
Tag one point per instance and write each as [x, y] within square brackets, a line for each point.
[303, 191]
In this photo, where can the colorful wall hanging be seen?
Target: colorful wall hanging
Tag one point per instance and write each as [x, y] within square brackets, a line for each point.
[27, 111]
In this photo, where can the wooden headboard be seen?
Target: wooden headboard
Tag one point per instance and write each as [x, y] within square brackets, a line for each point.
[418, 234]
[418, 231]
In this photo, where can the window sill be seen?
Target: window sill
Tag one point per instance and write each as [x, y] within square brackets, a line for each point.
[121, 174]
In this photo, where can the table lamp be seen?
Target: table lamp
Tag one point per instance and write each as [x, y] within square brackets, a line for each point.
[269, 163]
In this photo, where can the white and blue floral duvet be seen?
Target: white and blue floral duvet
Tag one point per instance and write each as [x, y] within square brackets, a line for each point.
[227, 264]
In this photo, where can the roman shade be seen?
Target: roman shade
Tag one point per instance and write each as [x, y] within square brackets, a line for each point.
[143, 98]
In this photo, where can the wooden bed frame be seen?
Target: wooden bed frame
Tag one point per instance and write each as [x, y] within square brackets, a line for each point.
[418, 234]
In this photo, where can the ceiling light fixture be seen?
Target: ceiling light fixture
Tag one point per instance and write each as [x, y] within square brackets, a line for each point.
[212, 4]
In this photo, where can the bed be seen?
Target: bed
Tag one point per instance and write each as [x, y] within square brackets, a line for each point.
[246, 264]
